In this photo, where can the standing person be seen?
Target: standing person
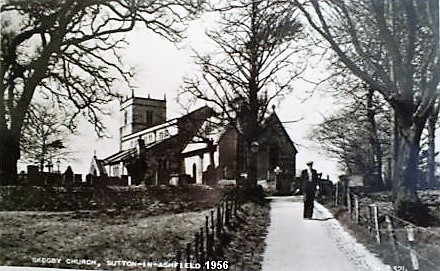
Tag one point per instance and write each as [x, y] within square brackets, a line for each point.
[309, 179]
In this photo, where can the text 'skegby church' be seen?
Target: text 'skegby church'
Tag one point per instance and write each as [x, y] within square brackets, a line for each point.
[192, 149]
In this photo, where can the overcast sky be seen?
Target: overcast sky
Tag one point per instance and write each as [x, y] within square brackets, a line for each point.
[160, 67]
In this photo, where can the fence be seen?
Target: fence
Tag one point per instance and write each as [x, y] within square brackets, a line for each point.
[405, 241]
[207, 247]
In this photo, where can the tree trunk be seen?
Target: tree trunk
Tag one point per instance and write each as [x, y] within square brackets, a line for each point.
[375, 144]
[252, 165]
[9, 155]
[406, 202]
[406, 172]
[253, 132]
[432, 123]
[10, 138]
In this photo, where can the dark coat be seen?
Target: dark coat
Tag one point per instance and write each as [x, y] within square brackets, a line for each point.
[307, 186]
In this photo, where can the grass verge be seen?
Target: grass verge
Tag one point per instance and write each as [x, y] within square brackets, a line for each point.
[246, 247]
[397, 255]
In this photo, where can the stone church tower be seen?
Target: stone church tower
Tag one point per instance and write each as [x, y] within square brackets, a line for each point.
[139, 113]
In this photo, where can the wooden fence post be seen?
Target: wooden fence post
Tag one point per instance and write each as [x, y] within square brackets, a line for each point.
[390, 230]
[197, 248]
[349, 201]
[208, 239]
[223, 213]
[411, 240]
[227, 213]
[235, 205]
[369, 220]
[212, 221]
[376, 222]
[392, 236]
[212, 232]
[188, 254]
[202, 249]
[178, 259]
[219, 222]
[207, 225]
[356, 209]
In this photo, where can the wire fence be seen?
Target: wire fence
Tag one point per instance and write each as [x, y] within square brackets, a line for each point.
[206, 251]
[411, 246]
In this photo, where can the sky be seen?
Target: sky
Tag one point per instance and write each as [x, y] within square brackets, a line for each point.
[160, 68]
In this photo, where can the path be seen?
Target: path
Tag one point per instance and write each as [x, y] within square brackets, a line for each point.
[319, 244]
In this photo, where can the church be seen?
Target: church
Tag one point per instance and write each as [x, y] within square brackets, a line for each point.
[193, 148]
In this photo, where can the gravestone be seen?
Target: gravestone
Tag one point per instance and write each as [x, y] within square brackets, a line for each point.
[33, 175]
[77, 179]
[68, 177]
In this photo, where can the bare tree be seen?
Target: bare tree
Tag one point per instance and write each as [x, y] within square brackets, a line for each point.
[358, 135]
[251, 67]
[44, 136]
[393, 46]
[67, 51]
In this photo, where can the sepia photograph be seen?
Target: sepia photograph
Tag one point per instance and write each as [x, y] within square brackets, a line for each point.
[241, 135]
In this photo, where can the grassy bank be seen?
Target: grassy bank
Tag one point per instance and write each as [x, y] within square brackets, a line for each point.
[120, 225]
[93, 236]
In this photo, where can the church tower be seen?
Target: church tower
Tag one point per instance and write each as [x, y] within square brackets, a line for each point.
[138, 113]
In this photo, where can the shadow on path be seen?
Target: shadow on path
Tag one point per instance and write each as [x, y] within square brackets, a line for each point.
[322, 219]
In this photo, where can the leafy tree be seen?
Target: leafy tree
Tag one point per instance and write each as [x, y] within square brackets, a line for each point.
[251, 67]
[393, 46]
[67, 51]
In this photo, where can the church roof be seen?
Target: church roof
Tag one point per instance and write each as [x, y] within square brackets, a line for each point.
[188, 126]
[273, 121]
[119, 156]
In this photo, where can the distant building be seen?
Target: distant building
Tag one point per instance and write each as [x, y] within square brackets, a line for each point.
[97, 168]
[191, 148]
[152, 149]
[276, 154]
[138, 114]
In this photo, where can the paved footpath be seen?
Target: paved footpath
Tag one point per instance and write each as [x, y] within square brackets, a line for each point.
[320, 244]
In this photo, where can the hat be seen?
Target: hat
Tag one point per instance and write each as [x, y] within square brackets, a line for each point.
[309, 163]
